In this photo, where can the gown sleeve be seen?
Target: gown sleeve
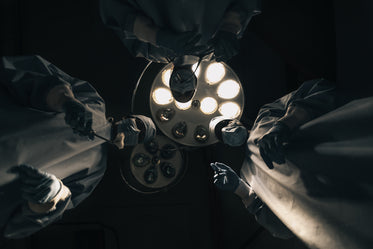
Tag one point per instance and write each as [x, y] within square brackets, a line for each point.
[246, 9]
[266, 218]
[120, 17]
[29, 79]
[317, 97]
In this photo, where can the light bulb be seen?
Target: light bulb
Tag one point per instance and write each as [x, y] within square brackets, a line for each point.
[215, 73]
[183, 106]
[166, 75]
[228, 89]
[162, 96]
[208, 105]
[230, 110]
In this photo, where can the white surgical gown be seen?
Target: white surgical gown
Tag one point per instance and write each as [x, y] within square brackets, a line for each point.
[324, 191]
[31, 134]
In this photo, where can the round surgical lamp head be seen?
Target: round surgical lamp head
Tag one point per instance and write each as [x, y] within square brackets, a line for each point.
[183, 83]
[217, 92]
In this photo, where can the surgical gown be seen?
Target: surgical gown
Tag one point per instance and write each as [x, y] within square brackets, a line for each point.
[324, 192]
[204, 16]
[32, 134]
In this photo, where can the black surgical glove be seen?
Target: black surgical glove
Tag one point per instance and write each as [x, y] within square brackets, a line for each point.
[225, 44]
[271, 144]
[224, 177]
[181, 43]
[78, 117]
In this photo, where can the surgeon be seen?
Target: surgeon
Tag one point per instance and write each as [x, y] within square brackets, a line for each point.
[162, 30]
[306, 164]
[180, 32]
[51, 156]
[277, 121]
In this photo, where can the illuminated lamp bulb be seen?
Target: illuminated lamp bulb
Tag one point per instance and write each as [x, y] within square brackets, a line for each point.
[230, 110]
[166, 75]
[183, 106]
[162, 96]
[208, 105]
[228, 89]
[215, 73]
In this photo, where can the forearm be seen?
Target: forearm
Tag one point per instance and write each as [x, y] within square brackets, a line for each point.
[295, 116]
[246, 193]
[231, 22]
[57, 96]
[145, 30]
[25, 221]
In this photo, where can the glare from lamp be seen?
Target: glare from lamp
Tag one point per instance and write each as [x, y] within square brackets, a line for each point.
[230, 110]
[215, 73]
[166, 75]
[183, 106]
[194, 67]
[162, 96]
[228, 89]
[208, 105]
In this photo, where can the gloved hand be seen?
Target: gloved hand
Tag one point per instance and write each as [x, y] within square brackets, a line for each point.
[271, 144]
[181, 43]
[129, 128]
[37, 186]
[224, 177]
[225, 44]
[78, 117]
[234, 134]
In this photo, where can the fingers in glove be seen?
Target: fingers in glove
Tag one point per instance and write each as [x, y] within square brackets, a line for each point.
[265, 158]
[222, 166]
[279, 156]
[214, 167]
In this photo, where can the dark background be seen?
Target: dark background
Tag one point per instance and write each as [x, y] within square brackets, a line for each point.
[290, 42]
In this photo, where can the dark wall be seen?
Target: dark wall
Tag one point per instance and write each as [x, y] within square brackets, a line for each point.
[290, 42]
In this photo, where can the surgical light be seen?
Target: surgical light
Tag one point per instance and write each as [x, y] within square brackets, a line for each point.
[162, 96]
[166, 75]
[216, 85]
[208, 105]
[183, 106]
[230, 110]
[228, 89]
[215, 73]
